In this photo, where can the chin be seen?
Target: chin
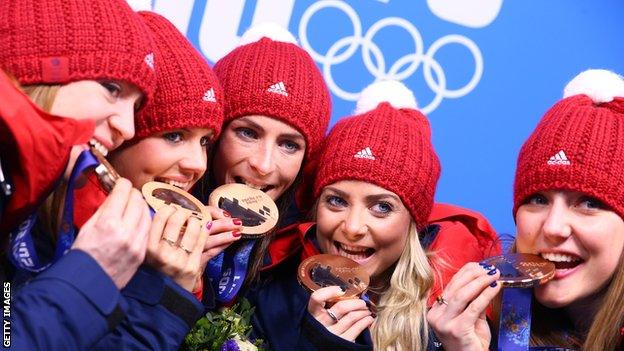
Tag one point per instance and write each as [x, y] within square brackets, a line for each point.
[551, 298]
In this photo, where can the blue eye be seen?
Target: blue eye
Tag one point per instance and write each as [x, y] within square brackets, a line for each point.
[113, 88]
[382, 207]
[591, 203]
[536, 199]
[173, 137]
[246, 133]
[290, 146]
[335, 201]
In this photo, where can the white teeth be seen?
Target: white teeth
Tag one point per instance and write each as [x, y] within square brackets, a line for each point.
[257, 187]
[554, 257]
[358, 249]
[175, 183]
[99, 147]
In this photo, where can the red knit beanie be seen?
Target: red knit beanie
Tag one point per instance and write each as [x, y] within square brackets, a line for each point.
[275, 78]
[188, 93]
[579, 143]
[60, 41]
[387, 143]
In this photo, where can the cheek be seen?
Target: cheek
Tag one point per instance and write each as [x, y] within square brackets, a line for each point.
[227, 154]
[326, 224]
[76, 104]
[289, 168]
[527, 229]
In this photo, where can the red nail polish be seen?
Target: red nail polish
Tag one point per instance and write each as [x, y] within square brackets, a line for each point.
[237, 221]
[236, 233]
[209, 225]
[226, 214]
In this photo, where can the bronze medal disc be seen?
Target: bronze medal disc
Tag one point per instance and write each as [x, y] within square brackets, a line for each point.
[253, 207]
[522, 270]
[104, 171]
[159, 194]
[325, 270]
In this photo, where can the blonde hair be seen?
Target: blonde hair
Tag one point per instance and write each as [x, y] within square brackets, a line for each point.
[401, 319]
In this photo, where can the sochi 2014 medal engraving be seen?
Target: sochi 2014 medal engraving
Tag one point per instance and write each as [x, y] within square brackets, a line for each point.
[253, 207]
[159, 194]
[325, 270]
[104, 171]
[522, 270]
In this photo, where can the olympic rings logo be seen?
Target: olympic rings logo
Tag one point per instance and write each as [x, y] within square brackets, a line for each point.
[379, 72]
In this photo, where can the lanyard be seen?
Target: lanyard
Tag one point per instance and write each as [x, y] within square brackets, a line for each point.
[226, 272]
[23, 252]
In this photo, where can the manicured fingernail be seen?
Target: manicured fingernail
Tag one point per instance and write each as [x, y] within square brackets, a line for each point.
[226, 214]
[492, 272]
[488, 267]
[209, 225]
[237, 221]
[483, 264]
[493, 285]
[343, 288]
[236, 233]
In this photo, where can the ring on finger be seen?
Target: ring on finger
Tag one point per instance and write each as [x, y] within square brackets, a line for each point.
[168, 241]
[332, 315]
[185, 249]
[440, 300]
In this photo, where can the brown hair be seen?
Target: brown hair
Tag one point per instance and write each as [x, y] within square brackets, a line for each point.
[551, 327]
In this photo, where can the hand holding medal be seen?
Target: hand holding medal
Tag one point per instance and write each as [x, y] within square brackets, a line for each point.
[338, 301]
[460, 310]
[258, 215]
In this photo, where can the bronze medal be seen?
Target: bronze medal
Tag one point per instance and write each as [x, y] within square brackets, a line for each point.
[253, 207]
[159, 194]
[325, 270]
[105, 172]
[522, 270]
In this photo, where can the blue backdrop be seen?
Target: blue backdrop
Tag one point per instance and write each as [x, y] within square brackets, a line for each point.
[484, 71]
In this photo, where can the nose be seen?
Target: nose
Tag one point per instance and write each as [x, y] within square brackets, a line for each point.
[354, 225]
[557, 226]
[122, 123]
[262, 160]
[195, 160]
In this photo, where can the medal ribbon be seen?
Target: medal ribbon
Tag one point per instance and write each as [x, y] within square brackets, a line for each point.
[23, 252]
[515, 319]
[226, 272]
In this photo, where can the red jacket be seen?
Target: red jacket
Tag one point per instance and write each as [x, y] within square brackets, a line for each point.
[34, 148]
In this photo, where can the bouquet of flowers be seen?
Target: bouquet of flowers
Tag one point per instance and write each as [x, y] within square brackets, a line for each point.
[224, 330]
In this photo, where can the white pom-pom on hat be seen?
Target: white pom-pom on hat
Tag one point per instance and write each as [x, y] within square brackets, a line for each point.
[391, 91]
[599, 84]
[270, 30]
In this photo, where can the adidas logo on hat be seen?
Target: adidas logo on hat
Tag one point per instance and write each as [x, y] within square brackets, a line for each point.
[559, 159]
[278, 88]
[209, 95]
[365, 153]
[149, 60]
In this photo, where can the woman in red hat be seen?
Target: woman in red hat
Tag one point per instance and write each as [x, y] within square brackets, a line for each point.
[374, 188]
[277, 108]
[568, 207]
[70, 63]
